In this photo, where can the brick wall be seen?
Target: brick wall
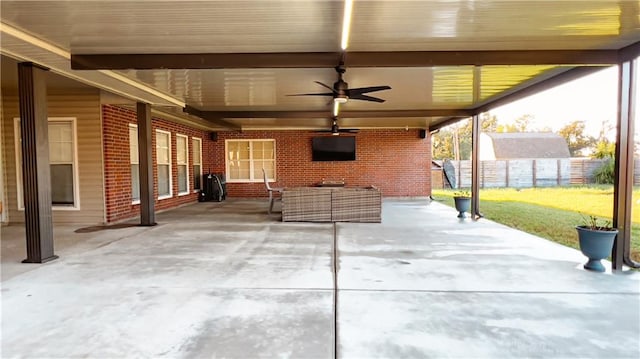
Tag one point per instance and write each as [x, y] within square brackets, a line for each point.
[115, 126]
[396, 161]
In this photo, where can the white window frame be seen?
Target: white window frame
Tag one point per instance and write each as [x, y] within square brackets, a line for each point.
[185, 164]
[76, 176]
[254, 176]
[193, 160]
[170, 195]
[137, 159]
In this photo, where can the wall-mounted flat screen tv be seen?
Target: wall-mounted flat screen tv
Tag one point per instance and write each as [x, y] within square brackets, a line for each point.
[333, 148]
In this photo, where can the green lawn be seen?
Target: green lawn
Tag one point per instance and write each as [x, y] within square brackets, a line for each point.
[551, 213]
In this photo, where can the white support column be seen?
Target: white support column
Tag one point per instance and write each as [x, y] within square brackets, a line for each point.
[623, 170]
[475, 167]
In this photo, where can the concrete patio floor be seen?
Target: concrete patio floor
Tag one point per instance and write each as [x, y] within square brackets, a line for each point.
[227, 280]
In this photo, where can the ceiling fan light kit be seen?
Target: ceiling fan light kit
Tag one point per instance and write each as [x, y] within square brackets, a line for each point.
[340, 92]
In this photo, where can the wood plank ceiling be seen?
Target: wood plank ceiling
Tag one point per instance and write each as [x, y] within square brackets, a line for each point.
[238, 60]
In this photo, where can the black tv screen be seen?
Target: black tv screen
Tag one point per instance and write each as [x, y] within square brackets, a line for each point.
[334, 148]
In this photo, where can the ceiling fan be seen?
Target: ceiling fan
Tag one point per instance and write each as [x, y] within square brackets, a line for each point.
[335, 130]
[341, 91]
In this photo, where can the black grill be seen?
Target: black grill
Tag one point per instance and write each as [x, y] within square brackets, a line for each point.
[214, 187]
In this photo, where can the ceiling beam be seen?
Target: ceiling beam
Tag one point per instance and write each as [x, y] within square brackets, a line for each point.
[446, 122]
[535, 86]
[205, 61]
[630, 52]
[210, 115]
[213, 119]
[331, 59]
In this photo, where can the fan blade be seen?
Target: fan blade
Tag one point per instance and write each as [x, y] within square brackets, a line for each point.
[348, 130]
[325, 85]
[366, 98]
[312, 94]
[361, 90]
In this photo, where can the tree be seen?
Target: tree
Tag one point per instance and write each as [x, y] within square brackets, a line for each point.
[606, 150]
[488, 123]
[603, 147]
[573, 133]
[521, 124]
[444, 142]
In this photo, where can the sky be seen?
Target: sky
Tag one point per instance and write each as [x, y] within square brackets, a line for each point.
[592, 99]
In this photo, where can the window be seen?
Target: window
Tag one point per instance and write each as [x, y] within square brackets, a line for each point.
[246, 159]
[135, 167]
[163, 160]
[182, 152]
[62, 160]
[196, 143]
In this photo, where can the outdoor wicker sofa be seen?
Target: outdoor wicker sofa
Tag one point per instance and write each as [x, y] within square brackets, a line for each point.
[332, 204]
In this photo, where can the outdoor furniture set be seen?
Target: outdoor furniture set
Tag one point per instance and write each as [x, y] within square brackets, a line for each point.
[328, 201]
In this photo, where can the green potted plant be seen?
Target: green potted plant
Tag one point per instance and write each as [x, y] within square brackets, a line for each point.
[596, 241]
[462, 200]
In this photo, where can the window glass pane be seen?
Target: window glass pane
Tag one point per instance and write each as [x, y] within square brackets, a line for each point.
[55, 153]
[60, 131]
[257, 168]
[163, 180]
[162, 148]
[163, 157]
[162, 140]
[181, 144]
[231, 147]
[244, 170]
[196, 152]
[243, 151]
[62, 184]
[267, 145]
[135, 182]
[66, 152]
[182, 179]
[60, 142]
[61, 159]
[65, 132]
[245, 159]
[197, 176]
[133, 144]
[269, 167]
[234, 172]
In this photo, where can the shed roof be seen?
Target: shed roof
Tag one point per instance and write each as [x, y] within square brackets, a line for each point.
[529, 145]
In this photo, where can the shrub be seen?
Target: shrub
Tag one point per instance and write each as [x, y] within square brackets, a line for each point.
[604, 174]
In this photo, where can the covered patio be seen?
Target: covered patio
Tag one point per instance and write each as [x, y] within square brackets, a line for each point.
[242, 68]
[178, 278]
[228, 280]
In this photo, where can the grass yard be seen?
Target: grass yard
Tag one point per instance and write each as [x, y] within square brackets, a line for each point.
[553, 212]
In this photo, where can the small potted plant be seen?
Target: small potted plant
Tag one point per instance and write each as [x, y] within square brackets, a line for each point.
[462, 200]
[596, 241]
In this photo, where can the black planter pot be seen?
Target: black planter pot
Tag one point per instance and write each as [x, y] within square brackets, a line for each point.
[596, 245]
[462, 205]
